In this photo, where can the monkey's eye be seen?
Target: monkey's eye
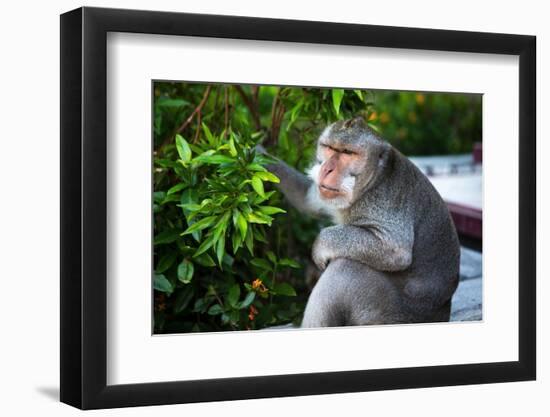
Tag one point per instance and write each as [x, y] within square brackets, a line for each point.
[347, 152]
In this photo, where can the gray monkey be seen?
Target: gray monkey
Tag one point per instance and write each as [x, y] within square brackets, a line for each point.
[393, 254]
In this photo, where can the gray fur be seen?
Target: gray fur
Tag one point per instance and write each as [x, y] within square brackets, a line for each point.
[394, 256]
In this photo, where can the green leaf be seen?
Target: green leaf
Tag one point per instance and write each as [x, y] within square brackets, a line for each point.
[240, 223]
[185, 271]
[289, 262]
[172, 102]
[183, 298]
[208, 134]
[247, 300]
[271, 256]
[167, 236]
[258, 185]
[337, 95]
[189, 196]
[259, 235]
[214, 159]
[165, 262]
[284, 288]
[234, 316]
[228, 259]
[267, 176]
[215, 310]
[271, 210]
[359, 94]
[261, 263]
[256, 167]
[232, 148]
[160, 283]
[207, 244]
[220, 249]
[199, 306]
[176, 188]
[259, 199]
[184, 151]
[236, 240]
[170, 198]
[159, 196]
[249, 241]
[205, 260]
[259, 218]
[233, 295]
[190, 207]
[224, 221]
[295, 112]
[201, 224]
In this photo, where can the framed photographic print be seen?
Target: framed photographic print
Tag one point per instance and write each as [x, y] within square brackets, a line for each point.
[256, 208]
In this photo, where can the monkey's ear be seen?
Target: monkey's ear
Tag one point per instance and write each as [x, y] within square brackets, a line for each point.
[355, 122]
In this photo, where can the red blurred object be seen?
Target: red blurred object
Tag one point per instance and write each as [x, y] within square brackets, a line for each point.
[477, 153]
[467, 220]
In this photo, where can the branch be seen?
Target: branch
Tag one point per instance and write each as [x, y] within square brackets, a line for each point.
[277, 115]
[251, 107]
[190, 118]
[274, 108]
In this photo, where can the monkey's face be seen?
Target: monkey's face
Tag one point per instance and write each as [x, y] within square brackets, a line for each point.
[336, 171]
[349, 158]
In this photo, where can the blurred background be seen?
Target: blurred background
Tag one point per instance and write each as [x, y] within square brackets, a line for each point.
[230, 254]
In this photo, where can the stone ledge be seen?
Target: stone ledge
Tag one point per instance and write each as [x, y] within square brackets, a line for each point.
[467, 300]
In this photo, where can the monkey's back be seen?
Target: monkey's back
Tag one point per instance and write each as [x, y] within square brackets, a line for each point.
[433, 274]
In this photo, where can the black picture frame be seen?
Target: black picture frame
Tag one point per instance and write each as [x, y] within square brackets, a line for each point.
[84, 207]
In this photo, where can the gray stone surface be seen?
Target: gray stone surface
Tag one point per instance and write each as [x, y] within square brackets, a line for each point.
[467, 300]
[470, 264]
[466, 304]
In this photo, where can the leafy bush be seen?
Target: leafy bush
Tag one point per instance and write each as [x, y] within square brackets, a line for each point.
[216, 209]
[225, 257]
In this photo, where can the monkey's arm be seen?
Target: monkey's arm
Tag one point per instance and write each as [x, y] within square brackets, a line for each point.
[385, 248]
[296, 187]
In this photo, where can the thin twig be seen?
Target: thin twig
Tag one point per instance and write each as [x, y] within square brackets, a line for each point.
[255, 94]
[226, 121]
[217, 100]
[197, 110]
[198, 130]
[190, 118]
[278, 114]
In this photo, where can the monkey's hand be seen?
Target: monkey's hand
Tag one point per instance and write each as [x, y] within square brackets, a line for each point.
[322, 252]
[260, 150]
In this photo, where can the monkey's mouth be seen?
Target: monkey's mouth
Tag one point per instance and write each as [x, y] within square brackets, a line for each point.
[336, 190]
[329, 192]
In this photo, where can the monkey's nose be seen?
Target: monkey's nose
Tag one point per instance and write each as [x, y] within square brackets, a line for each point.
[327, 170]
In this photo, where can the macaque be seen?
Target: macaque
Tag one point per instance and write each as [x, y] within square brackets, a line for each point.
[393, 254]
